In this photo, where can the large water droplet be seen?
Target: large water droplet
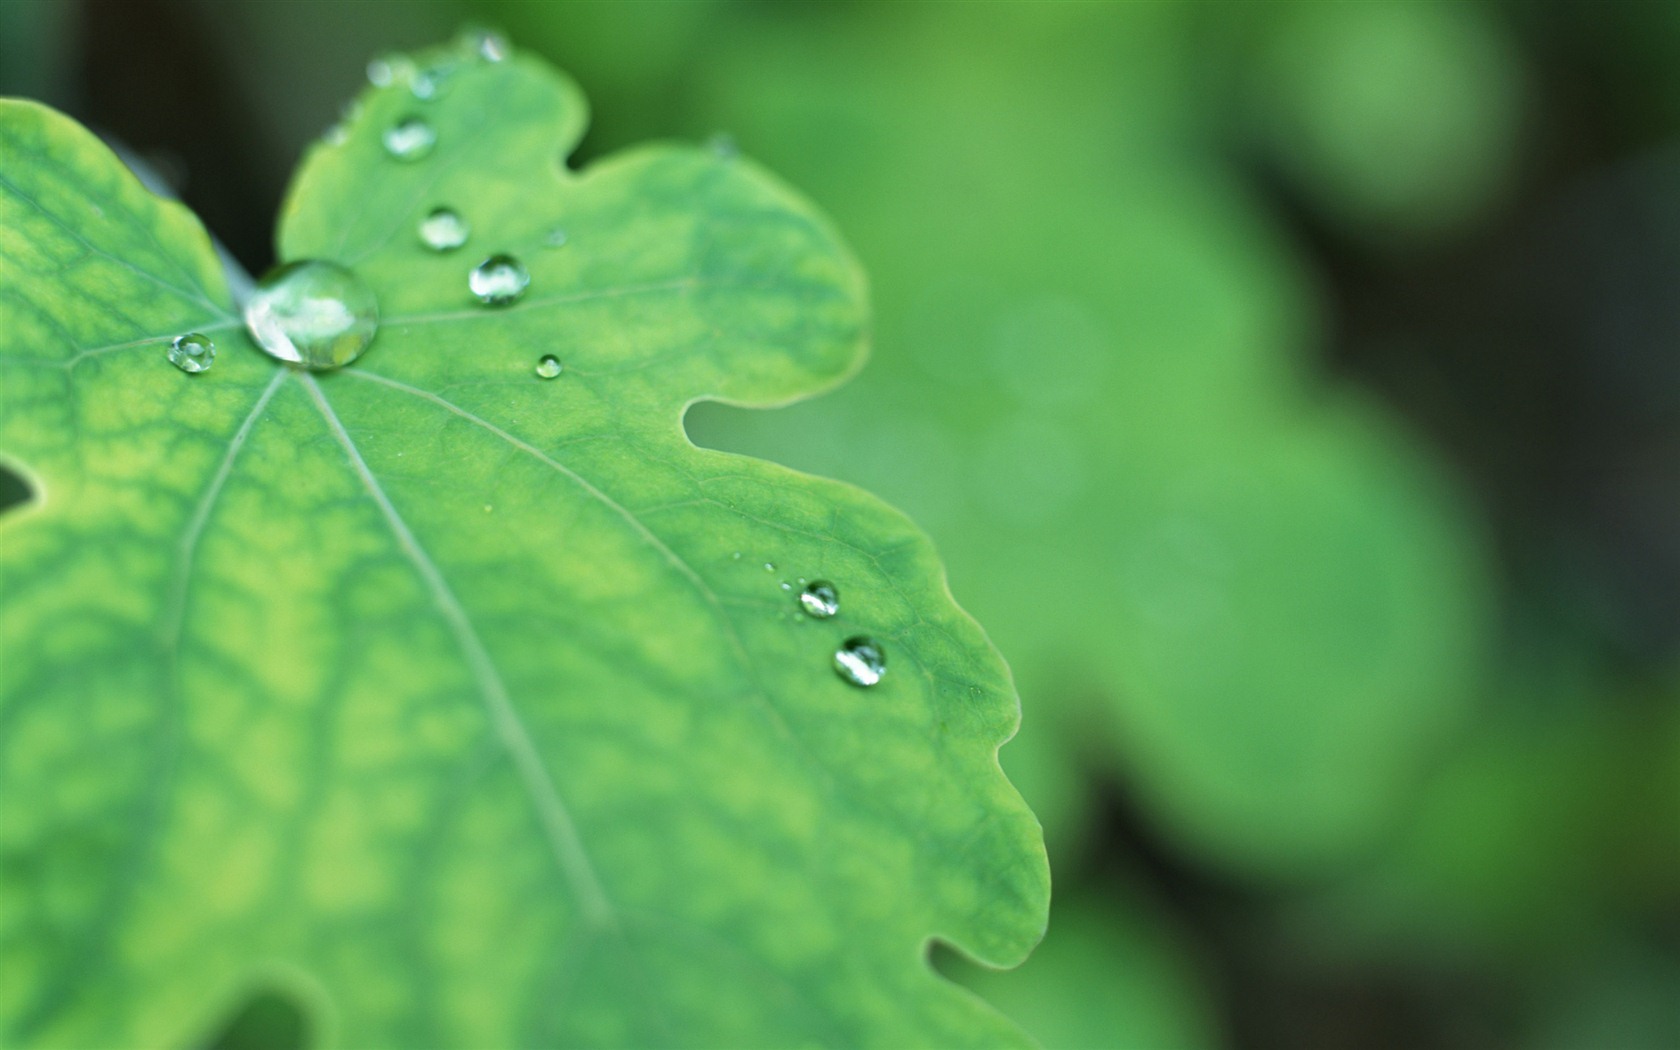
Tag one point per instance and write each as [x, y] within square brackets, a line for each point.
[192, 353]
[443, 230]
[860, 661]
[410, 139]
[548, 366]
[820, 599]
[499, 279]
[316, 314]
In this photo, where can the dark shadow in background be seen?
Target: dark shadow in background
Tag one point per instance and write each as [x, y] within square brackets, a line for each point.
[149, 74]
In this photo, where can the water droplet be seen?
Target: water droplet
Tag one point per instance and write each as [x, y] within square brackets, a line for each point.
[313, 313]
[769, 566]
[499, 279]
[192, 353]
[548, 366]
[736, 556]
[430, 83]
[388, 69]
[337, 135]
[443, 230]
[487, 44]
[786, 586]
[410, 139]
[723, 146]
[860, 661]
[820, 599]
[556, 238]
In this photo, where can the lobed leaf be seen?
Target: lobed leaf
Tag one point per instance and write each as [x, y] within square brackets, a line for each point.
[454, 705]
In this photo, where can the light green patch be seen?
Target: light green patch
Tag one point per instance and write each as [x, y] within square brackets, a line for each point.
[459, 697]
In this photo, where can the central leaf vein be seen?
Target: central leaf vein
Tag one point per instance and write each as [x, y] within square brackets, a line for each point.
[556, 818]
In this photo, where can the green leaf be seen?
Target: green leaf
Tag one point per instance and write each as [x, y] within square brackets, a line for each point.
[451, 705]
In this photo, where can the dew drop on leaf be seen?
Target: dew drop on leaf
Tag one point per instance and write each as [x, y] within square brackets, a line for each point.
[388, 69]
[548, 366]
[192, 353]
[410, 139]
[820, 599]
[556, 238]
[443, 230]
[723, 146]
[313, 313]
[486, 44]
[429, 83]
[499, 279]
[860, 661]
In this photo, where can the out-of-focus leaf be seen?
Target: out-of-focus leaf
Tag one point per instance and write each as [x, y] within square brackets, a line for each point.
[1093, 390]
[1399, 119]
[1108, 977]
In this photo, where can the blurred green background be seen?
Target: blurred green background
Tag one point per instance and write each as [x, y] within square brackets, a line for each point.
[1294, 393]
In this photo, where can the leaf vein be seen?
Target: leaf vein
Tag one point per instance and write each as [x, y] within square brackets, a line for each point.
[556, 818]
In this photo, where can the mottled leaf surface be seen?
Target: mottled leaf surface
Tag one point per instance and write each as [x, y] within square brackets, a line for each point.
[452, 705]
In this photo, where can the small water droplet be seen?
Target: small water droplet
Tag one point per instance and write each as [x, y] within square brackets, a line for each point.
[443, 230]
[786, 586]
[820, 599]
[388, 69]
[337, 135]
[498, 280]
[487, 44]
[769, 566]
[430, 83]
[313, 313]
[410, 139]
[556, 238]
[723, 146]
[736, 556]
[860, 661]
[192, 353]
[548, 366]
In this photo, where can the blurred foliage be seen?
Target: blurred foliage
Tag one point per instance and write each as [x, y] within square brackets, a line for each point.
[1360, 694]
[1398, 118]
[1093, 393]
[1110, 973]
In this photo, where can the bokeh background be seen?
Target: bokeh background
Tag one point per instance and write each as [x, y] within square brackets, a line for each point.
[1294, 392]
